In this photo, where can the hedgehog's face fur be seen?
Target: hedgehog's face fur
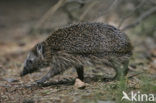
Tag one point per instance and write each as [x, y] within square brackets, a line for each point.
[34, 60]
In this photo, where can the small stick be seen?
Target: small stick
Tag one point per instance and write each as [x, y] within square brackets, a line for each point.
[51, 11]
[135, 75]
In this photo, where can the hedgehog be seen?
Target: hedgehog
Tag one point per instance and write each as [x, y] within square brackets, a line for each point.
[78, 46]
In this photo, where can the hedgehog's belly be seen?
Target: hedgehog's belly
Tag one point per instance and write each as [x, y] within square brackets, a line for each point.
[104, 58]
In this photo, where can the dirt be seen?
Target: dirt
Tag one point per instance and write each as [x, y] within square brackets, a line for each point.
[15, 42]
[60, 89]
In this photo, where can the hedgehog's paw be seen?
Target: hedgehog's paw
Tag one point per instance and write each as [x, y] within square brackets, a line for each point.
[40, 81]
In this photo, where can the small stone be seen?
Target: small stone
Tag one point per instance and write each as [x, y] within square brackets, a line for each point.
[79, 84]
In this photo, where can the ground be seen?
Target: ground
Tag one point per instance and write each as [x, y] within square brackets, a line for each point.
[15, 42]
[16, 89]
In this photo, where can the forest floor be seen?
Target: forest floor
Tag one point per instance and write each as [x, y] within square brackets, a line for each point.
[14, 89]
[15, 44]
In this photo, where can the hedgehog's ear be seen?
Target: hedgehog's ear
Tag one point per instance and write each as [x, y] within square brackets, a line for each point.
[40, 50]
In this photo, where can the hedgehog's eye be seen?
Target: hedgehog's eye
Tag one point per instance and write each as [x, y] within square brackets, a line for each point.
[29, 61]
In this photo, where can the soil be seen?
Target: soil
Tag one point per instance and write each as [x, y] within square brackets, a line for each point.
[16, 41]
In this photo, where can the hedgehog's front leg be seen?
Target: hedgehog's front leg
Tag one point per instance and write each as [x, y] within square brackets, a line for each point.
[55, 70]
[80, 72]
[59, 65]
[46, 77]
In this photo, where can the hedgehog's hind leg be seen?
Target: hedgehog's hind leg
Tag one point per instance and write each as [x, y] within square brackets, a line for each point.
[80, 72]
[119, 64]
[121, 68]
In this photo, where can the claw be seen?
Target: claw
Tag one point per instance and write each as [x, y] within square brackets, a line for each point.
[40, 81]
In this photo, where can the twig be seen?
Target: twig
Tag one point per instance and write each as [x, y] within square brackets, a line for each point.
[62, 82]
[78, 1]
[70, 15]
[135, 75]
[142, 17]
[130, 14]
[3, 85]
[87, 10]
[110, 7]
[51, 11]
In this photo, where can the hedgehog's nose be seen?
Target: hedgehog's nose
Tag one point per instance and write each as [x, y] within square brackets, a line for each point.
[24, 72]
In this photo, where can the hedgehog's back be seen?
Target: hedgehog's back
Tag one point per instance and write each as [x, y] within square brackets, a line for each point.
[90, 38]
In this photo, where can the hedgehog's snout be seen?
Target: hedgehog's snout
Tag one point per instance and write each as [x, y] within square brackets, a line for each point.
[24, 72]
